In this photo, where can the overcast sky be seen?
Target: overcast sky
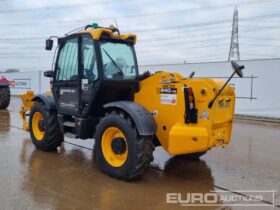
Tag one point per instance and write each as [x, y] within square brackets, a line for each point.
[168, 31]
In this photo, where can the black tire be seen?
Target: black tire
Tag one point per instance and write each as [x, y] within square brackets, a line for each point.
[5, 96]
[192, 156]
[52, 137]
[140, 148]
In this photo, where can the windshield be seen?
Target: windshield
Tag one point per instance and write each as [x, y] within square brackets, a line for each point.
[118, 61]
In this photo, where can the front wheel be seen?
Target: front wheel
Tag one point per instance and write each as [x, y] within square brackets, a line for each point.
[120, 150]
[44, 128]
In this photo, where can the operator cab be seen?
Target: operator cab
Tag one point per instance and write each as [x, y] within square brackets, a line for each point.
[93, 66]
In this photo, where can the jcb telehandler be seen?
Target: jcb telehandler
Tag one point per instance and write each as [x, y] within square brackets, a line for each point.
[97, 93]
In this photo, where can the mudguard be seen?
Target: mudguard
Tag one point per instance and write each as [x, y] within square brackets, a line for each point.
[143, 119]
[48, 100]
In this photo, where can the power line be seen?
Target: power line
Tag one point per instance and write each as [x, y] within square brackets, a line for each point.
[156, 29]
[260, 27]
[259, 38]
[26, 69]
[205, 23]
[217, 36]
[183, 48]
[140, 30]
[65, 6]
[183, 38]
[144, 47]
[23, 38]
[191, 57]
[259, 45]
[20, 39]
[23, 48]
[118, 17]
[262, 55]
[174, 43]
[20, 57]
[263, 21]
[209, 23]
[6, 55]
[161, 41]
[139, 46]
[216, 40]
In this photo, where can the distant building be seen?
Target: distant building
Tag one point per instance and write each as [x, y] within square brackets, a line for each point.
[11, 71]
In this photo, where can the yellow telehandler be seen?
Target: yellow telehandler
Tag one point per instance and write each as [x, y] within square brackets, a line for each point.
[97, 93]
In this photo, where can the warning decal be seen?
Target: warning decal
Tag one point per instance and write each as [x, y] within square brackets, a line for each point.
[204, 115]
[170, 99]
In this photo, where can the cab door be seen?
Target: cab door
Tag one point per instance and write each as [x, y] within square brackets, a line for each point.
[89, 73]
[67, 83]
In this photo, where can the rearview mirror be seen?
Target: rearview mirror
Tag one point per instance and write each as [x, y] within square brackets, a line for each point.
[237, 68]
[49, 73]
[49, 44]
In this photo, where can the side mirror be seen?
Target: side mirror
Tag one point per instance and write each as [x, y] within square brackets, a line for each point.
[237, 68]
[49, 44]
[238, 71]
[49, 73]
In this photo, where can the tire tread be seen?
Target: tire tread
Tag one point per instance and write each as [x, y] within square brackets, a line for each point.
[144, 148]
[5, 97]
[53, 137]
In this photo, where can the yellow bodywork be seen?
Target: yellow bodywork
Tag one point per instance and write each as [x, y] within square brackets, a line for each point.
[39, 134]
[116, 160]
[214, 125]
[96, 34]
[26, 107]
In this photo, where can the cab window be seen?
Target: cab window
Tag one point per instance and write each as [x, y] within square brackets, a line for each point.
[67, 67]
[118, 61]
[89, 61]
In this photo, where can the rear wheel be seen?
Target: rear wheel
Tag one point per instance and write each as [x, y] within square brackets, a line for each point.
[44, 128]
[4, 97]
[120, 150]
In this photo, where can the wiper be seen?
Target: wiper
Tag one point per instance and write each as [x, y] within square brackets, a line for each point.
[120, 70]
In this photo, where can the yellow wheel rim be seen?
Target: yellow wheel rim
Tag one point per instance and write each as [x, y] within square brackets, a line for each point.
[38, 133]
[113, 158]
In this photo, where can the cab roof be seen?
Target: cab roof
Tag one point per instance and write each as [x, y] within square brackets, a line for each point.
[97, 33]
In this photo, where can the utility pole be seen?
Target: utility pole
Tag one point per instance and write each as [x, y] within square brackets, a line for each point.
[234, 44]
